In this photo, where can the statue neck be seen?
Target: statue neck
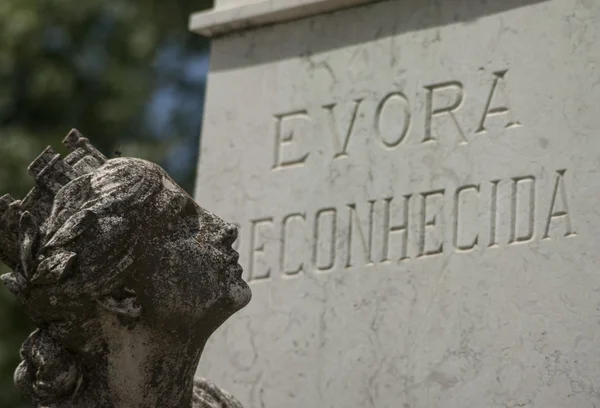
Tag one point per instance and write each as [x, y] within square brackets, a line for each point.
[142, 370]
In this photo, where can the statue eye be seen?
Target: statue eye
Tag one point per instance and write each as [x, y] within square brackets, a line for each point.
[190, 215]
[177, 205]
[187, 207]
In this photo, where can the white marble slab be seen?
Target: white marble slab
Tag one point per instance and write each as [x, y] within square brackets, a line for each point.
[416, 184]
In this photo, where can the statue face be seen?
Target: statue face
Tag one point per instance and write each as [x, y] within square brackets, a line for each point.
[195, 274]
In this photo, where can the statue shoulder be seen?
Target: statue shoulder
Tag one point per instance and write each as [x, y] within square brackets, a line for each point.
[208, 395]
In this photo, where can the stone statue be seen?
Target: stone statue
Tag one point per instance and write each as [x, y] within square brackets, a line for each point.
[126, 278]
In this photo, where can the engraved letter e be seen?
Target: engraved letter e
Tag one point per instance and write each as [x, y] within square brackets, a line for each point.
[286, 127]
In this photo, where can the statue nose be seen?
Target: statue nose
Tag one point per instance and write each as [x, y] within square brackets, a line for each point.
[230, 234]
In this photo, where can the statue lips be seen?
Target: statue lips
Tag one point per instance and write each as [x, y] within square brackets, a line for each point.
[233, 264]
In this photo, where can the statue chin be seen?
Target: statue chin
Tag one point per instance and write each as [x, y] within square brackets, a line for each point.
[238, 296]
[241, 295]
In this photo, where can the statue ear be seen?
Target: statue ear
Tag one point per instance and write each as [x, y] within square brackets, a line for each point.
[123, 303]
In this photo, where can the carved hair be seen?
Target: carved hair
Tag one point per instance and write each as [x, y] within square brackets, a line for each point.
[70, 242]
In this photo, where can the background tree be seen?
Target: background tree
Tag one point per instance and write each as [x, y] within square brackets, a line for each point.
[126, 73]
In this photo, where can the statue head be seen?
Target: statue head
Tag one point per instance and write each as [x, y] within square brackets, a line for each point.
[106, 250]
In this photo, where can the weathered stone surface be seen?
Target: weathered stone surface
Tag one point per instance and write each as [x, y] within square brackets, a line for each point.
[126, 277]
[417, 186]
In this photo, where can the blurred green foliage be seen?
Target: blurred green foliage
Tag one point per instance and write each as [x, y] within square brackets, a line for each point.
[94, 65]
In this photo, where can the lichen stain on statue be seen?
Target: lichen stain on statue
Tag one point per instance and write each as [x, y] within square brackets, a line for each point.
[126, 278]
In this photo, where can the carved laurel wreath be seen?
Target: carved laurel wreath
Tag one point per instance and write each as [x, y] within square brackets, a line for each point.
[36, 271]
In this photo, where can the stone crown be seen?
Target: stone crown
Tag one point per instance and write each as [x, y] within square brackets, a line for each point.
[50, 173]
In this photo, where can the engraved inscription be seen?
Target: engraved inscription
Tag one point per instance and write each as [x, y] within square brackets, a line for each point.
[393, 106]
[390, 228]
[388, 118]
[493, 213]
[365, 238]
[258, 268]
[462, 197]
[286, 230]
[452, 90]
[498, 103]
[340, 142]
[447, 217]
[412, 226]
[325, 233]
[559, 207]
[429, 225]
[522, 213]
[287, 127]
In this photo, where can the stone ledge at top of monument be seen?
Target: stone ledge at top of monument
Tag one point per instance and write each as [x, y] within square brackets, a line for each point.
[443, 100]
[234, 15]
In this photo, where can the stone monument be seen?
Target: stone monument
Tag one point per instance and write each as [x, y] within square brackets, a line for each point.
[416, 187]
[126, 278]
